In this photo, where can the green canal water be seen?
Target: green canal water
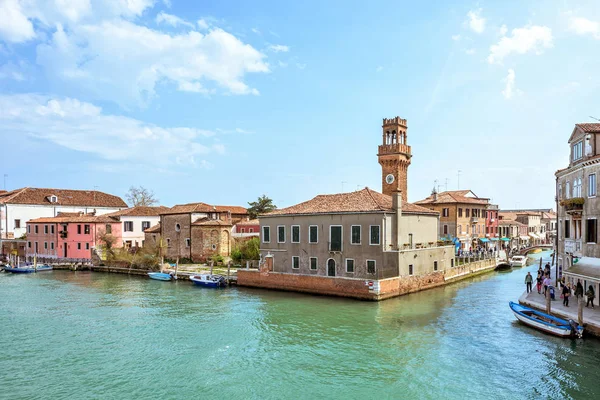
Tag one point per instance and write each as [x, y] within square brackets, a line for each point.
[102, 336]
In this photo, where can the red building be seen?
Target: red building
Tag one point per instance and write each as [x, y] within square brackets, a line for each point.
[491, 222]
[70, 236]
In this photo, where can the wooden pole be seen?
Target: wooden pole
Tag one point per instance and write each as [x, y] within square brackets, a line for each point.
[176, 266]
[580, 310]
[548, 302]
[211, 266]
[228, 270]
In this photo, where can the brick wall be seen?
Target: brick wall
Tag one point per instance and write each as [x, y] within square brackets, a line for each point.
[176, 240]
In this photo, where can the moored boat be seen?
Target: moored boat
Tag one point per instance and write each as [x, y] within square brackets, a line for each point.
[160, 276]
[28, 269]
[518, 261]
[208, 280]
[546, 322]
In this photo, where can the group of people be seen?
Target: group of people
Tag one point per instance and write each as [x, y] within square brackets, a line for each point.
[544, 281]
[479, 251]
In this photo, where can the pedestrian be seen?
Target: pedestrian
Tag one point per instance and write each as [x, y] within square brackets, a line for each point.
[566, 292]
[547, 282]
[540, 270]
[578, 290]
[590, 296]
[539, 280]
[528, 281]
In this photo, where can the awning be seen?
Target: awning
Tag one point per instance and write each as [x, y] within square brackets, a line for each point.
[524, 237]
[484, 240]
[505, 239]
[494, 239]
[586, 268]
[533, 235]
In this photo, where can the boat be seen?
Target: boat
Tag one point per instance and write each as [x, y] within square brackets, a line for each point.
[518, 261]
[208, 280]
[28, 269]
[546, 322]
[160, 276]
[503, 266]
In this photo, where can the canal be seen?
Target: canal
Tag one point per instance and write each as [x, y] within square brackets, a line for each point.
[90, 335]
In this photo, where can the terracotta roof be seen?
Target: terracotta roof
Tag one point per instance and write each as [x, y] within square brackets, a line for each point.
[153, 229]
[365, 200]
[65, 197]
[3, 191]
[250, 222]
[454, 196]
[74, 219]
[507, 215]
[210, 222]
[593, 127]
[507, 222]
[140, 211]
[204, 208]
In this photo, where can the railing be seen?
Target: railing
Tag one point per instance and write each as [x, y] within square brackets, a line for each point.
[394, 148]
[467, 258]
[474, 220]
[573, 205]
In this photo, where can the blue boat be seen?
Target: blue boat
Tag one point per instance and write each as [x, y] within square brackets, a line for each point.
[28, 269]
[546, 322]
[160, 276]
[208, 280]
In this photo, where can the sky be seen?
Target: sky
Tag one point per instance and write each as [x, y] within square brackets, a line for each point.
[223, 101]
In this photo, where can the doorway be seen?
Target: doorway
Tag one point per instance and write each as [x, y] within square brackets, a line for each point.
[331, 267]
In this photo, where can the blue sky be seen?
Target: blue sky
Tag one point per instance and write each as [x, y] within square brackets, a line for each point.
[223, 101]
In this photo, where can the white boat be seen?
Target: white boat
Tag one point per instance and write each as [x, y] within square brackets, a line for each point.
[545, 322]
[518, 261]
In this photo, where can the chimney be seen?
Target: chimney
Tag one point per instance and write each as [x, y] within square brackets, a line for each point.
[397, 208]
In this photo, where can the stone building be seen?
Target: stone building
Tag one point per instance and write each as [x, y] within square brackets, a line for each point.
[532, 219]
[135, 221]
[462, 216]
[512, 233]
[362, 244]
[579, 207]
[198, 231]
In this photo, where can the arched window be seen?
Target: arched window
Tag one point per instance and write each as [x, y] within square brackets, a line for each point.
[568, 190]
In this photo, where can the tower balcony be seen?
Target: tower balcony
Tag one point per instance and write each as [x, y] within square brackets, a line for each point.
[394, 148]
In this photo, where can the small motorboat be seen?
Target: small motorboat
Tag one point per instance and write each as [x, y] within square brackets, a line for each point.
[160, 276]
[518, 261]
[28, 269]
[208, 280]
[503, 266]
[546, 322]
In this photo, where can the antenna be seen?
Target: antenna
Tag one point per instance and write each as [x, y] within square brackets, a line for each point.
[594, 118]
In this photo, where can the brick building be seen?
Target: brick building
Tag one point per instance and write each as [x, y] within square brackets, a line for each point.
[135, 221]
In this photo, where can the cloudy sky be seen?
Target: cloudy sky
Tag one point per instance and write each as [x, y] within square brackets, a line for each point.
[223, 101]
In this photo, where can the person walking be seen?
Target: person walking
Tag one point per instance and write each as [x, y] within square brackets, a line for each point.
[566, 292]
[591, 294]
[578, 290]
[547, 282]
[528, 281]
[539, 280]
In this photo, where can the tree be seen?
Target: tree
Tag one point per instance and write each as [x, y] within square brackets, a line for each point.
[262, 206]
[140, 196]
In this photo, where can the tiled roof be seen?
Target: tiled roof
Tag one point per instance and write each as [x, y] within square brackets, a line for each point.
[204, 208]
[250, 222]
[506, 222]
[593, 127]
[153, 229]
[141, 211]
[454, 196]
[365, 200]
[75, 219]
[65, 197]
[210, 222]
[507, 215]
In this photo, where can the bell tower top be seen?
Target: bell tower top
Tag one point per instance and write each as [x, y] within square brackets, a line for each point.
[394, 156]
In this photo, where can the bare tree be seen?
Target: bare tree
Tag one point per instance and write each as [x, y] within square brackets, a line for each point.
[140, 196]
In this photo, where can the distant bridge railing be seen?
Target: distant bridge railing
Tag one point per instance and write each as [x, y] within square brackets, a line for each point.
[539, 246]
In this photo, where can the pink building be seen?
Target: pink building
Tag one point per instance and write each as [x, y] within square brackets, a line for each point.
[70, 236]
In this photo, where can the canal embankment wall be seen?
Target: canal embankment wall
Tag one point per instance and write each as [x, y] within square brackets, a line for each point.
[363, 289]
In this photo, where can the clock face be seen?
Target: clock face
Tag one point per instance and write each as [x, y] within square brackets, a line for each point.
[389, 179]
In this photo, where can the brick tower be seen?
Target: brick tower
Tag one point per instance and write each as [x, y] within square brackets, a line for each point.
[394, 157]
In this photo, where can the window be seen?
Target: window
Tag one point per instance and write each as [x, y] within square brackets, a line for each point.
[370, 266]
[87, 246]
[460, 212]
[145, 225]
[560, 194]
[410, 269]
[17, 223]
[445, 229]
[51, 245]
[295, 262]
[590, 231]
[45, 245]
[487, 215]
[188, 242]
[128, 226]
[35, 228]
[266, 234]
[281, 234]
[28, 245]
[459, 230]
[335, 238]
[313, 234]
[567, 229]
[86, 229]
[251, 230]
[28, 228]
[410, 240]
[168, 242]
[349, 265]
[177, 227]
[52, 229]
[467, 211]
[78, 246]
[445, 212]
[568, 190]
[45, 229]
[374, 238]
[79, 229]
[435, 266]
[214, 246]
[452, 263]
[295, 233]
[243, 230]
[467, 229]
[355, 234]
[313, 263]
[592, 185]
[577, 151]
[108, 229]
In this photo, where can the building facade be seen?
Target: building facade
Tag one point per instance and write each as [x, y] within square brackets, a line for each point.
[246, 229]
[135, 221]
[492, 223]
[579, 208]
[21, 205]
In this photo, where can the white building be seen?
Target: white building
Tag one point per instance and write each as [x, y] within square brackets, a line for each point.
[135, 221]
[20, 205]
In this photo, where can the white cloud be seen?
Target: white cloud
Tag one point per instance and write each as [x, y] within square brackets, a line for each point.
[202, 24]
[255, 30]
[84, 127]
[279, 48]
[503, 30]
[11, 71]
[476, 21]
[172, 20]
[456, 38]
[470, 51]
[522, 40]
[14, 25]
[584, 26]
[509, 88]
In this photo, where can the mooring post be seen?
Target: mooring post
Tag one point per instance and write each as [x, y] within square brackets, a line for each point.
[580, 310]
[247, 264]
[540, 262]
[211, 266]
[228, 270]
[548, 300]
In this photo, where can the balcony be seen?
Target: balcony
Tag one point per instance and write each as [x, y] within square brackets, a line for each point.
[474, 220]
[394, 148]
[62, 234]
[573, 206]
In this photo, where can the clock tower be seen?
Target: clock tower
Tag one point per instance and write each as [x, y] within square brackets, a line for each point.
[394, 157]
